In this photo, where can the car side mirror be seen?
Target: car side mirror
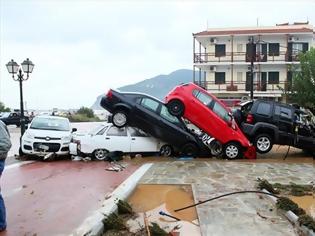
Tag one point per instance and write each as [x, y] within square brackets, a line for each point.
[74, 130]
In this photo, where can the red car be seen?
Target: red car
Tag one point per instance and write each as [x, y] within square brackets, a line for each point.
[211, 116]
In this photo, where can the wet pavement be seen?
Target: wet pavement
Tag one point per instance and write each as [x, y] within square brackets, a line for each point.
[54, 198]
[244, 214]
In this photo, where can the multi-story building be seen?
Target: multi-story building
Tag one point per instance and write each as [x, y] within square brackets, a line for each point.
[223, 58]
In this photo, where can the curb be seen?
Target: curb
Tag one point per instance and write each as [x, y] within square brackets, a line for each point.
[93, 225]
[293, 218]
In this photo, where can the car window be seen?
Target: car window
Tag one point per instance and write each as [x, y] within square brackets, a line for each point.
[221, 112]
[202, 97]
[166, 115]
[264, 108]
[102, 131]
[283, 112]
[150, 104]
[135, 132]
[114, 131]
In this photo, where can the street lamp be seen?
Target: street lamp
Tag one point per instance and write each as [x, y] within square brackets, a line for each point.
[13, 69]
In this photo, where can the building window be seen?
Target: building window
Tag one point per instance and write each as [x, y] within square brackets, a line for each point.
[220, 50]
[273, 77]
[274, 49]
[239, 77]
[239, 47]
[219, 77]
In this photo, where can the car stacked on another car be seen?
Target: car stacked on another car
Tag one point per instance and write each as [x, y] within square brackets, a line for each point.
[211, 116]
[47, 134]
[267, 123]
[151, 115]
[108, 138]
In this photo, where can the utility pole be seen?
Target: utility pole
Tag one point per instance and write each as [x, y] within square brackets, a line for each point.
[252, 67]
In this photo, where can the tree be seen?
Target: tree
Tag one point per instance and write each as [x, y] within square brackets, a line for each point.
[86, 111]
[3, 108]
[303, 87]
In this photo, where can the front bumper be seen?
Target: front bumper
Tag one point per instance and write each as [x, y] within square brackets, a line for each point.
[35, 147]
[250, 152]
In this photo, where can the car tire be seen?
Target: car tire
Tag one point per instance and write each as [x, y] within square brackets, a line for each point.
[100, 154]
[21, 153]
[190, 149]
[119, 118]
[263, 143]
[232, 151]
[176, 108]
[166, 151]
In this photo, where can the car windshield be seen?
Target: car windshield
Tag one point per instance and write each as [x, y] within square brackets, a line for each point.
[50, 123]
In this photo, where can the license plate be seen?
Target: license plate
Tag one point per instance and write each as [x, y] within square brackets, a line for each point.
[43, 147]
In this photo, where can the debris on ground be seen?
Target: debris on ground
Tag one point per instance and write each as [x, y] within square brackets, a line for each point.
[307, 221]
[115, 166]
[156, 230]
[287, 204]
[264, 184]
[114, 156]
[76, 158]
[124, 207]
[49, 156]
[114, 221]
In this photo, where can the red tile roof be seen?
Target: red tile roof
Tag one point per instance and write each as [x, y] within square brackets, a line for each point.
[256, 31]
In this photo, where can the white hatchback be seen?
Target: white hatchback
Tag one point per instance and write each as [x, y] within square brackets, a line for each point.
[107, 138]
[47, 134]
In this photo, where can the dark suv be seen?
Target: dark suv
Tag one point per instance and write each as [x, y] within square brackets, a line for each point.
[267, 122]
[13, 118]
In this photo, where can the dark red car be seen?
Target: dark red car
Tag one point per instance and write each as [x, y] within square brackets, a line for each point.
[211, 116]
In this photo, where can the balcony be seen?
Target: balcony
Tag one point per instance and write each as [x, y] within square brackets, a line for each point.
[244, 87]
[230, 57]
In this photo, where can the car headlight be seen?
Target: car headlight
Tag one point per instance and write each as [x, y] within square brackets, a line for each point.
[29, 136]
[66, 138]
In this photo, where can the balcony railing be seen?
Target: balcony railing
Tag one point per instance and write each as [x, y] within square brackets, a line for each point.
[244, 57]
[261, 86]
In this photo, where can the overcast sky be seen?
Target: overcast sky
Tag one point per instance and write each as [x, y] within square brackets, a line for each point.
[81, 48]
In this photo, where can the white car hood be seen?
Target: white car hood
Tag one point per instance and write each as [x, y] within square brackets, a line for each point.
[47, 133]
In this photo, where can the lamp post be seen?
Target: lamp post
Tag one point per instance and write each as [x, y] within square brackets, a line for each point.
[14, 68]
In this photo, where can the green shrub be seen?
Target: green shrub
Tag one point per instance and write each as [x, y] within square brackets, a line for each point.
[124, 207]
[307, 221]
[287, 204]
[114, 221]
[264, 184]
[156, 230]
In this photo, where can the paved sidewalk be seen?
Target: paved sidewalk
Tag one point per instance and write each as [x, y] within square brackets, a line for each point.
[241, 214]
[54, 198]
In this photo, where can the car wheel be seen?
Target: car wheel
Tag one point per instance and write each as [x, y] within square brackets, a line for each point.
[263, 143]
[190, 149]
[232, 151]
[100, 154]
[166, 151]
[176, 108]
[119, 118]
[21, 153]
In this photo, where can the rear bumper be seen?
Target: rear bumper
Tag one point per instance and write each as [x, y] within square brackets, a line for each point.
[250, 152]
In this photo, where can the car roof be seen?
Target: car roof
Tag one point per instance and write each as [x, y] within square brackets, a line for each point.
[138, 93]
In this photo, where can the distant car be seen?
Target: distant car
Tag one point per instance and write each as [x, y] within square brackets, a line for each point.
[268, 122]
[108, 138]
[47, 134]
[210, 115]
[151, 115]
[13, 118]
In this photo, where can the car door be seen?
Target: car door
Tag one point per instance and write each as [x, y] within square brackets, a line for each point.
[146, 117]
[117, 139]
[91, 142]
[283, 119]
[141, 141]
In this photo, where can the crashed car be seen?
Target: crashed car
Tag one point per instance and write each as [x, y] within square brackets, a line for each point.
[151, 115]
[47, 135]
[211, 116]
[108, 138]
[13, 118]
[267, 123]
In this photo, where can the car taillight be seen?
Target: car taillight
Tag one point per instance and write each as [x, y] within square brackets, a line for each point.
[250, 118]
[109, 94]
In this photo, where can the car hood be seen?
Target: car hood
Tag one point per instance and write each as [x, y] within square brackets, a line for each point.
[48, 133]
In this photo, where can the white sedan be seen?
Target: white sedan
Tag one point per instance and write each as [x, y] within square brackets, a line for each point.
[107, 138]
